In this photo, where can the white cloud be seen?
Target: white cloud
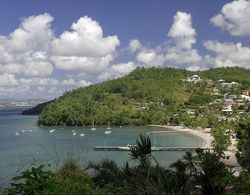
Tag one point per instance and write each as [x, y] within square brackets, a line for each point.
[178, 51]
[228, 54]
[26, 50]
[41, 89]
[13, 90]
[182, 31]
[8, 79]
[83, 83]
[150, 57]
[84, 48]
[234, 18]
[38, 81]
[117, 70]
[134, 45]
[85, 64]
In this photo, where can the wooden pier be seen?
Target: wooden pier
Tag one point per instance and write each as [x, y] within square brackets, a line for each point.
[127, 148]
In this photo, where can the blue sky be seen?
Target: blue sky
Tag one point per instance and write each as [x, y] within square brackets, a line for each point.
[47, 47]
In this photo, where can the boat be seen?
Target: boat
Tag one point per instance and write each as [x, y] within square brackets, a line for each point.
[82, 134]
[93, 127]
[52, 130]
[16, 134]
[74, 133]
[107, 132]
[108, 125]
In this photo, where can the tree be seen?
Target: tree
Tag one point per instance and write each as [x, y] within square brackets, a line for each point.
[211, 173]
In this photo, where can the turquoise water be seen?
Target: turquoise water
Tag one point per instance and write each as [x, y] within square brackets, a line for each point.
[40, 146]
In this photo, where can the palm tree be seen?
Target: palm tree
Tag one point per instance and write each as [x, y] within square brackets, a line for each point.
[184, 180]
[189, 160]
[106, 171]
[211, 174]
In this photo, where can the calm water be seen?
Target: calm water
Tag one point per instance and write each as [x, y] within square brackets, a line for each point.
[41, 146]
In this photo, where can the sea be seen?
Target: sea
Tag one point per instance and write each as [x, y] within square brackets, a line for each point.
[23, 144]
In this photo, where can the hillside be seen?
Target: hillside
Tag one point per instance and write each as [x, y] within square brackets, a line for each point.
[144, 96]
[36, 110]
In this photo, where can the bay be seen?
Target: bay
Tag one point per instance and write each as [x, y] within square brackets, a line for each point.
[24, 144]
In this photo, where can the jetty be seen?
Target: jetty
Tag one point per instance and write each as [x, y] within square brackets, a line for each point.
[153, 149]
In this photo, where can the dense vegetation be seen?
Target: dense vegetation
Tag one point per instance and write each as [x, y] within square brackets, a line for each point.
[144, 96]
[202, 173]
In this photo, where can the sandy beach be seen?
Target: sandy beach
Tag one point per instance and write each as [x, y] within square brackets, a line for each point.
[204, 134]
[208, 138]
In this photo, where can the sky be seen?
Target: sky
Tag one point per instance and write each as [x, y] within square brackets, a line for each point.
[49, 47]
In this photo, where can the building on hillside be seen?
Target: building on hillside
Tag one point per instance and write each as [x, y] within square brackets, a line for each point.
[240, 111]
[245, 97]
[240, 102]
[230, 85]
[221, 81]
[216, 91]
[227, 108]
[232, 97]
[193, 79]
[210, 82]
[245, 92]
[218, 101]
[228, 102]
[191, 111]
[234, 84]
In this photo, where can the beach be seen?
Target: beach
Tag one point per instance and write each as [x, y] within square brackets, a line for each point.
[204, 134]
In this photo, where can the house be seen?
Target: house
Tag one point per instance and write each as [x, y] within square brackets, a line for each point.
[227, 108]
[245, 92]
[191, 111]
[239, 102]
[193, 79]
[221, 81]
[216, 91]
[245, 97]
[224, 84]
[210, 82]
[218, 101]
[234, 84]
[232, 96]
[240, 111]
[228, 102]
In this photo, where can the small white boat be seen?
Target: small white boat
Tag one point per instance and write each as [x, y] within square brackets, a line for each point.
[107, 132]
[93, 127]
[74, 133]
[16, 134]
[82, 134]
[52, 130]
[23, 131]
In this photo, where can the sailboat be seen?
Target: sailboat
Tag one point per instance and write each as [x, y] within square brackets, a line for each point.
[107, 132]
[108, 126]
[93, 126]
[153, 147]
[108, 129]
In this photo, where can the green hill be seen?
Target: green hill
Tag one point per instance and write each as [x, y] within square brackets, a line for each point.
[144, 96]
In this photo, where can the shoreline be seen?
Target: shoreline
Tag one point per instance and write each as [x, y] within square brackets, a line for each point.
[204, 134]
[207, 138]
